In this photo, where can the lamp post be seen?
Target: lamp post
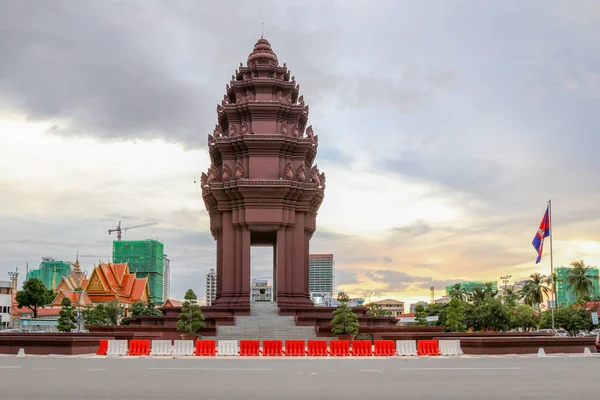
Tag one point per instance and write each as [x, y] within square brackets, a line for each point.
[192, 303]
[79, 311]
[505, 280]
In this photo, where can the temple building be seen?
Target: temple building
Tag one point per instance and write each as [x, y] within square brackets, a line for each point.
[72, 286]
[108, 282]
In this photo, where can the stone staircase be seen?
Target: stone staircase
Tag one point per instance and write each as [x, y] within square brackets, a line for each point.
[265, 323]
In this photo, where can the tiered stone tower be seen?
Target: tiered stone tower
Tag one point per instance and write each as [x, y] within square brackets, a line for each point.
[262, 187]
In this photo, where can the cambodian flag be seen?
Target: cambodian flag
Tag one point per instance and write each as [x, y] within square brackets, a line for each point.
[542, 233]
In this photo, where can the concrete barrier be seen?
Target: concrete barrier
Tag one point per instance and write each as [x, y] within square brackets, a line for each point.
[117, 348]
[541, 353]
[228, 347]
[161, 348]
[183, 348]
[450, 348]
[406, 347]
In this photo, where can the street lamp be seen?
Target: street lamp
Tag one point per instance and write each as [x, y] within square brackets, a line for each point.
[505, 280]
[192, 303]
[79, 310]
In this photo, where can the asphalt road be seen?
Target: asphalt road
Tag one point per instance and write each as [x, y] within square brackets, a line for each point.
[383, 378]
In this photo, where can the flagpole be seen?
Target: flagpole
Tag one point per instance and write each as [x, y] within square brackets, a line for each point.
[551, 260]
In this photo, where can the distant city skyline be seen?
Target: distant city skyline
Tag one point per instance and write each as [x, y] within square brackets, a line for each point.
[441, 145]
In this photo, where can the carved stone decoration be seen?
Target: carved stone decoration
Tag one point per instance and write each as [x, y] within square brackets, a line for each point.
[219, 109]
[218, 132]
[301, 100]
[300, 173]
[203, 180]
[212, 174]
[227, 173]
[225, 99]
[288, 98]
[245, 129]
[232, 130]
[283, 128]
[249, 96]
[322, 179]
[211, 140]
[287, 171]
[279, 96]
[295, 131]
[310, 134]
[240, 171]
[314, 175]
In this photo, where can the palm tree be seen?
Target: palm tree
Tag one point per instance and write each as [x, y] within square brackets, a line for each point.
[578, 281]
[534, 290]
[551, 282]
[489, 290]
[458, 293]
[510, 297]
[478, 294]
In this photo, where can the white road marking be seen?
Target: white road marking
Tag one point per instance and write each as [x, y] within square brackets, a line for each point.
[369, 370]
[10, 366]
[214, 369]
[464, 369]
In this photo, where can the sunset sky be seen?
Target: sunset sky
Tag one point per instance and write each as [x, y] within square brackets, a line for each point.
[444, 127]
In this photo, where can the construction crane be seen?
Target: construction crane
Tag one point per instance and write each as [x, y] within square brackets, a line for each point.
[120, 230]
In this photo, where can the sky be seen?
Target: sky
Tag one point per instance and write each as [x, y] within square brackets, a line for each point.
[444, 127]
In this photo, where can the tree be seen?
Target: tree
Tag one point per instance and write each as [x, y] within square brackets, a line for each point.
[573, 319]
[420, 315]
[113, 312]
[141, 308]
[534, 290]
[95, 315]
[34, 295]
[524, 317]
[489, 290]
[439, 310]
[137, 308]
[191, 319]
[67, 319]
[376, 310]
[152, 309]
[578, 281]
[490, 313]
[458, 292]
[455, 316]
[510, 298]
[345, 321]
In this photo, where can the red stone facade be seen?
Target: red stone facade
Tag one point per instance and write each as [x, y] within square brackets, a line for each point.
[262, 187]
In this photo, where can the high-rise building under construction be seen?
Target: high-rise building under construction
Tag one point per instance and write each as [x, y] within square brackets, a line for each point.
[50, 272]
[145, 258]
